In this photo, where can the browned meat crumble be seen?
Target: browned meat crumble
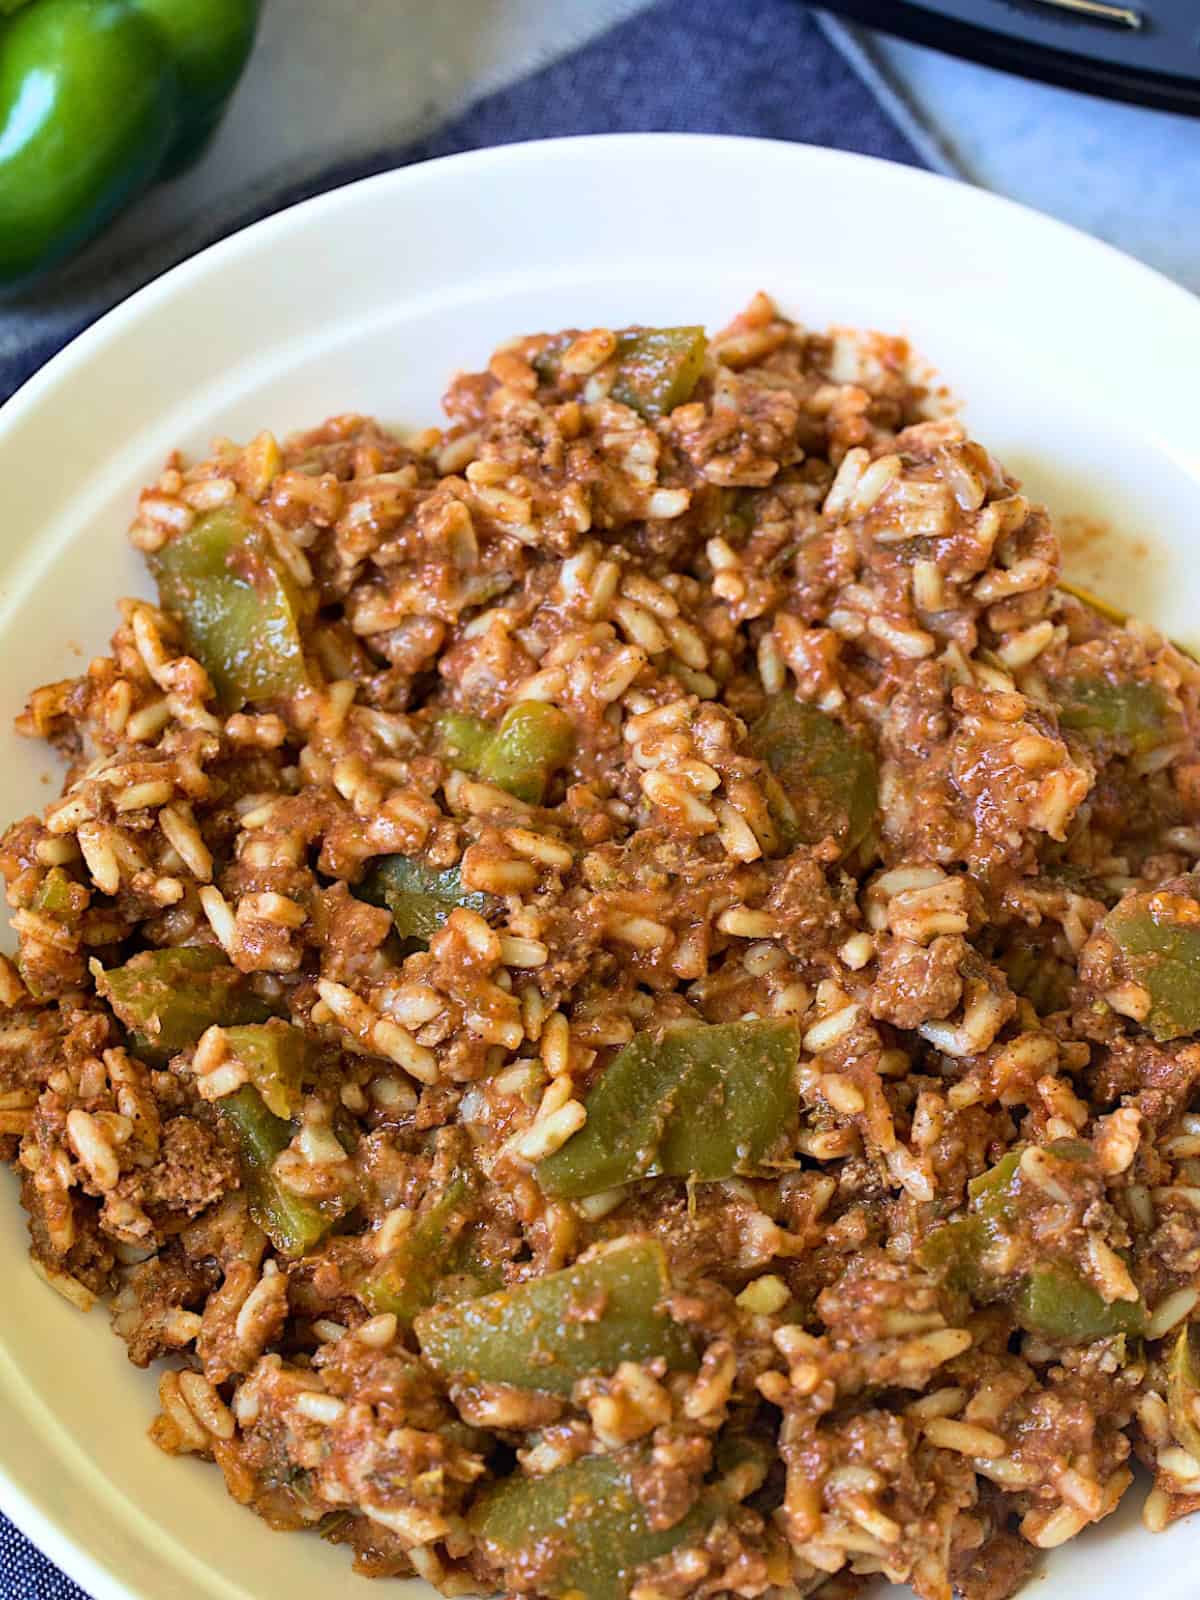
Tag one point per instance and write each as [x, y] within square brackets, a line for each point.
[680, 1078]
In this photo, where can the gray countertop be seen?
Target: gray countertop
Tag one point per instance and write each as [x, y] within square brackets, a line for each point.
[1127, 174]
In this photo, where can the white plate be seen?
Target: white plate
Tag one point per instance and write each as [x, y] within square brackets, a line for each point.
[1078, 367]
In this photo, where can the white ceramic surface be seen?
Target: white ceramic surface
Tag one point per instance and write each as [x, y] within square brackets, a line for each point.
[1078, 367]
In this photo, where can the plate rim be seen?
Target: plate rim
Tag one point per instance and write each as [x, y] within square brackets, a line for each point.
[215, 256]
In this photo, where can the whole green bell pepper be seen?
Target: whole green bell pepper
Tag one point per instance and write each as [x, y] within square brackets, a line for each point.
[97, 99]
[210, 42]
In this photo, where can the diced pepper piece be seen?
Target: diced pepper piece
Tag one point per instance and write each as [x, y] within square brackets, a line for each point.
[827, 776]
[991, 1190]
[696, 1101]
[59, 899]
[419, 897]
[657, 368]
[463, 738]
[532, 743]
[588, 1520]
[954, 1251]
[534, 740]
[1158, 934]
[1053, 1299]
[89, 104]
[238, 606]
[1057, 1303]
[333, 1524]
[292, 1223]
[406, 1280]
[46, 968]
[167, 998]
[1135, 714]
[550, 1332]
[345, 1130]
[470, 1273]
[276, 1055]
[1077, 1150]
[1183, 1389]
[54, 896]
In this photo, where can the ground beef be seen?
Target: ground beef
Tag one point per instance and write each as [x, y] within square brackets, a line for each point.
[611, 991]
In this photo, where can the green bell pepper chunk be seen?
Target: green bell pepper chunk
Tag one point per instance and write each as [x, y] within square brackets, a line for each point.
[60, 899]
[1052, 1299]
[991, 1191]
[548, 1333]
[277, 1056]
[1158, 934]
[238, 608]
[437, 1246]
[657, 368]
[827, 778]
[589, 1515]
[1135, 714]
[293, 1224]
[54, 897]
[463, 739]
[696, 1101]
[1183, 1389]
[1057, 1303]
[210, 42]
[532, 743]
[419, 897]
[955, 1250]
[89, 105]
[167, 998]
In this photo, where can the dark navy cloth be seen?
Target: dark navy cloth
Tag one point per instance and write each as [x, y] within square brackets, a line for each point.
[761, 67]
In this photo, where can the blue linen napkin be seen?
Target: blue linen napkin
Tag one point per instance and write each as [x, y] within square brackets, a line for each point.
[763, 67]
